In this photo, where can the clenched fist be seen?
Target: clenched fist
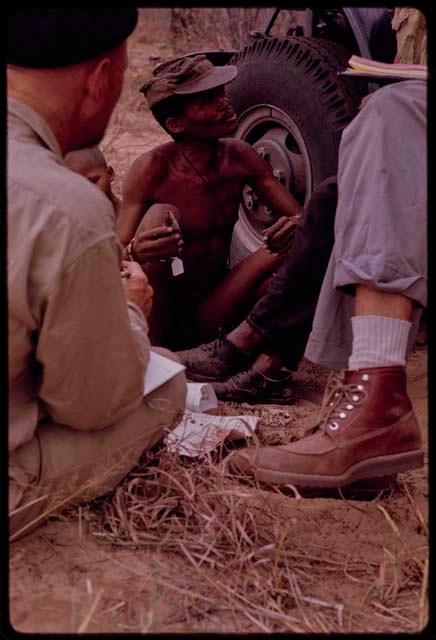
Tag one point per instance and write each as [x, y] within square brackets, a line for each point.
[137, 287]
[155, 244]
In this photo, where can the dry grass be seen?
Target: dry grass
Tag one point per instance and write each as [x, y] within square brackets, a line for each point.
[240, 557]
[229, 556]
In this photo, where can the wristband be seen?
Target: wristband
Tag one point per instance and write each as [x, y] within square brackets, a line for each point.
[128, 251]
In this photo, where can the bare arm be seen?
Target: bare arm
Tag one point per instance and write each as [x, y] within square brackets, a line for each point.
[278, 237]
[137, 193]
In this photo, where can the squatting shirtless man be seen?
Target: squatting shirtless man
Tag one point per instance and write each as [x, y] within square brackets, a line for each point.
[200, 176]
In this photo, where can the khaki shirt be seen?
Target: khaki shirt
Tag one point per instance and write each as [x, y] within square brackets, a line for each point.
[77, 351]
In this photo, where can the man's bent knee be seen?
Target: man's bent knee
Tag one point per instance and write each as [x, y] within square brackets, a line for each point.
[76, 466]
[155, 216]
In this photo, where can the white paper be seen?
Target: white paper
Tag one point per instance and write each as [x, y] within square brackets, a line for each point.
[197, 433]
[159, 371]
[200, 396]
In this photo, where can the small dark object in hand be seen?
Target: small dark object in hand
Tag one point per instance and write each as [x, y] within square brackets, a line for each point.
[170, 220]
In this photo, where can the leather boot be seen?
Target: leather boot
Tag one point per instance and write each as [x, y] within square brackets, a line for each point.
[254, 387]
[367, 429]
[214, 361]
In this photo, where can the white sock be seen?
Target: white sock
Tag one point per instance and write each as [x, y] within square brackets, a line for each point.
[378, 341]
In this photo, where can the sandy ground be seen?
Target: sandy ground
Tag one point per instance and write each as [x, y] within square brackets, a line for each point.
[365, 560]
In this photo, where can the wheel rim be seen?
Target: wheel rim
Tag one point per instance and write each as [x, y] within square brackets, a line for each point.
[278, 139]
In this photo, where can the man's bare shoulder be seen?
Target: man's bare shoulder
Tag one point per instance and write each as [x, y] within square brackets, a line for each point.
[243, 155]
[153, 162]
[238, 149]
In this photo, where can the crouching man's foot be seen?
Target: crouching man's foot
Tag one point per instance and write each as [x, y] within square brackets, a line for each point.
[252, 386]
[214, 361]
[367, 430]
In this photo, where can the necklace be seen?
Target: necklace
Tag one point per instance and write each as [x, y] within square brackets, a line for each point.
[205, 182]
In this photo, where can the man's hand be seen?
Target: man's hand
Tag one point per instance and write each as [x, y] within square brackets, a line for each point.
[137, 287]
[364, 101]
[278, 237]
[157, 243]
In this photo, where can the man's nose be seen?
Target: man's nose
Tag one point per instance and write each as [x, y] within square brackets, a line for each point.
[224, 99]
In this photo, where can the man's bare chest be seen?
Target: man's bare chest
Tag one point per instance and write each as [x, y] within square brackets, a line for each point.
[207, 206]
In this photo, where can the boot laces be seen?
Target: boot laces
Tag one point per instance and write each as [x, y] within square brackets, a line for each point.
[341, 399]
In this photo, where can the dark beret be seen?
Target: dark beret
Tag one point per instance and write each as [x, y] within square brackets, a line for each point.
[46, 38]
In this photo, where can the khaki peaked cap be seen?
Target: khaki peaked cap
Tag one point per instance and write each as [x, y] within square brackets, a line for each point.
[185, 76]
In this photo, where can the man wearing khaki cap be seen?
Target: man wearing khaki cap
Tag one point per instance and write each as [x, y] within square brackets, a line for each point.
[199, 176]
[78, 345]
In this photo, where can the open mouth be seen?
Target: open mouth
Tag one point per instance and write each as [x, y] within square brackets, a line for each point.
[230, 118]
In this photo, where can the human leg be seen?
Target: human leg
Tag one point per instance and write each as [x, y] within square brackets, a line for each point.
[380, 329]
[279, 323]
[158, 272]
[381, 219]
[229, 300]
[61, 466]
[284, 315]
[367, 426]
[274, 334]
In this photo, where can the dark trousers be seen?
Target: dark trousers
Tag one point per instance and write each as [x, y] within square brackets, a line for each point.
[285, 313]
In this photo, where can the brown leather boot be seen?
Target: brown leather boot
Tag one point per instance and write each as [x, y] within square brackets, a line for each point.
[367, 429]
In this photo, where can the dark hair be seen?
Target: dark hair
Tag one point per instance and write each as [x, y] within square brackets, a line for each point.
[169, 108]
[79, 158]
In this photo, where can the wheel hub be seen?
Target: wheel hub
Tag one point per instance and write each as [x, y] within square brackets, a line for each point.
[277, 139]
[270, 149]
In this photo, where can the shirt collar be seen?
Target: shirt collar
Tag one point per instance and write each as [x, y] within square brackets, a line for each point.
[35, 122]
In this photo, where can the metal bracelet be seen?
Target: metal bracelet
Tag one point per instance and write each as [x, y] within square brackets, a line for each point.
[128, 251]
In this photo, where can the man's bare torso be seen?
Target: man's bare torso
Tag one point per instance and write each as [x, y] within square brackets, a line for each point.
[208, 211]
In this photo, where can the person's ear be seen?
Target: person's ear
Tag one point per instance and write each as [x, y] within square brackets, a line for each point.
[98, 80]
[175, 125]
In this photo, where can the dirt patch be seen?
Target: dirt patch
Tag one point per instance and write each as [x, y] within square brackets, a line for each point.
[184, 547]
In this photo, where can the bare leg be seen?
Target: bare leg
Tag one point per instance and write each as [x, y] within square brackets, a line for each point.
[245, 337]
[269, 365]
[159, 320]
[377, 303]
[155, 216]
[230, 299]
[159, 274]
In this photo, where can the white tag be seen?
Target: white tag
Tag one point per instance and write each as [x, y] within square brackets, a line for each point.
[177, 267]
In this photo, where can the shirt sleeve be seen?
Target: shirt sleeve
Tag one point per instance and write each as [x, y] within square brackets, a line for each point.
[93, 348]
[139, 327]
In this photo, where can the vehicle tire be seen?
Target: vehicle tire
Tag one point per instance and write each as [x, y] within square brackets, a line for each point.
[292, 102]
[299, 76]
